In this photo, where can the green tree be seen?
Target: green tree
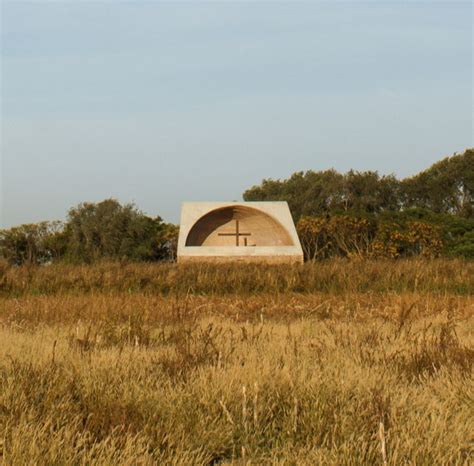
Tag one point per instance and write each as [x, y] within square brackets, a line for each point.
[315, 193]
[32, 243]
[445, 187]
[369, 192]
[109, 230]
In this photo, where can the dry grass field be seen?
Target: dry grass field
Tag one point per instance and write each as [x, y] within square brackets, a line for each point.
[332, 363]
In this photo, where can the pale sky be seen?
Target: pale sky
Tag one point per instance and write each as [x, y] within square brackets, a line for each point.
[162, 102]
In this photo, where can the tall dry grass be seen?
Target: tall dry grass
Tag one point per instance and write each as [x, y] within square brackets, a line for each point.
[335, 276]
[358, 371]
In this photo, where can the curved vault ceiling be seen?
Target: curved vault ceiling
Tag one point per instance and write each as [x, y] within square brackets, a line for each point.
[255, 228]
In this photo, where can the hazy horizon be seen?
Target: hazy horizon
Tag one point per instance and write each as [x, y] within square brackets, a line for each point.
[157, 103]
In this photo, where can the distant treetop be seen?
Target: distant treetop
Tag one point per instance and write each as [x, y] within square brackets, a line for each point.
[445, 187]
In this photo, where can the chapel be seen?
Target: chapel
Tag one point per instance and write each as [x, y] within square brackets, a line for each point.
[238, 231]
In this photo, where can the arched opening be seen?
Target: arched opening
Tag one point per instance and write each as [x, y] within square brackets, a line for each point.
[238, 226]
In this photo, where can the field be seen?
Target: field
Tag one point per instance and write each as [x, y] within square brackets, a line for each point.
[339, 362]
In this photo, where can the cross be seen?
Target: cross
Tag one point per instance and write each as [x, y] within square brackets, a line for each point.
[237, 234]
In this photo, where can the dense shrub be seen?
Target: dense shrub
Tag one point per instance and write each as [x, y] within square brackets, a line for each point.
[345, 236]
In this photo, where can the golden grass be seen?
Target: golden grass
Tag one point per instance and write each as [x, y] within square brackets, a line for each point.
[335, 276]
[96, 371]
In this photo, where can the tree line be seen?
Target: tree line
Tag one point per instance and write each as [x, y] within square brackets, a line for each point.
[365, 213]
[337, 214]
[92, 232]
[447, 187]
